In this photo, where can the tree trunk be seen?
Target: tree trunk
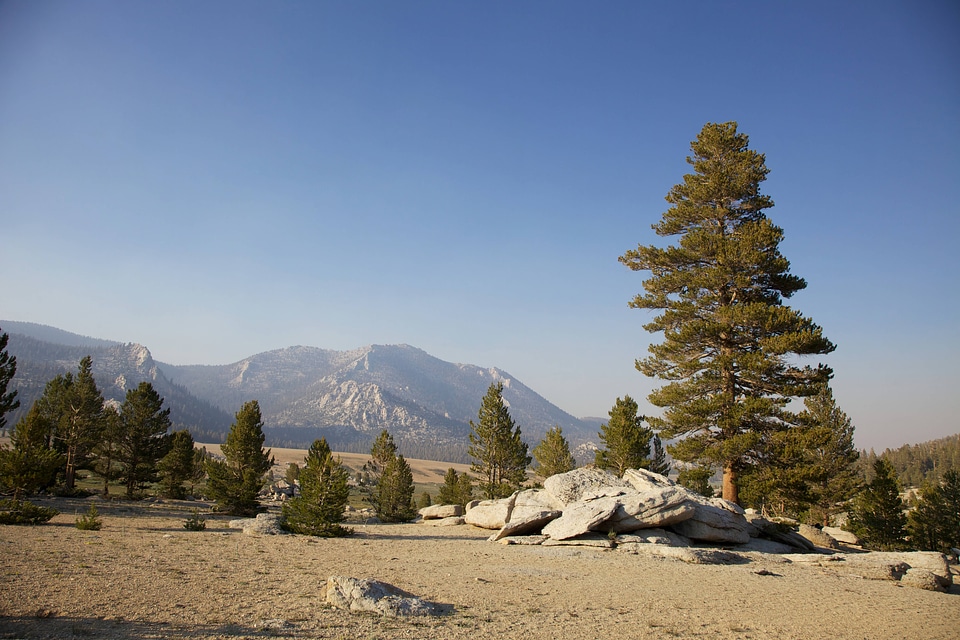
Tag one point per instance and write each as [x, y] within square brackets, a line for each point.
[71, 470]
[731, 484]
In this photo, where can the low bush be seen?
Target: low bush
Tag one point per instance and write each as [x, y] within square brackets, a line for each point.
[23, 512]
[91, 521]
[195, 522]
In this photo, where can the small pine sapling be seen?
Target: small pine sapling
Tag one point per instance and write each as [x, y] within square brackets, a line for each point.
[195, 522]
[91, 520]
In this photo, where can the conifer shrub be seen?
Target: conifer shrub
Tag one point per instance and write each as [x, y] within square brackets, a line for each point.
[195, 522]
[23, 512]
[91, 520]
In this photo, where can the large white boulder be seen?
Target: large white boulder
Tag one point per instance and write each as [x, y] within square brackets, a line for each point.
[583, 484]
[715, 520]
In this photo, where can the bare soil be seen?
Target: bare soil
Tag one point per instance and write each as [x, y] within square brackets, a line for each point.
[145, 576]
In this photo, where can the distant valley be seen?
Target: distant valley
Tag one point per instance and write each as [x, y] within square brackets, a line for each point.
[304, 392]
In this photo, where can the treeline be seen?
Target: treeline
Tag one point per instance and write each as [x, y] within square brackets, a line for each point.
[917, 464]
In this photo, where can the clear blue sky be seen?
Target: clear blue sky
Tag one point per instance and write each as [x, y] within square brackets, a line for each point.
[218, 179]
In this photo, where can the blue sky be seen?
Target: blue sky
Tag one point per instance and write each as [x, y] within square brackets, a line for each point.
[218, 179]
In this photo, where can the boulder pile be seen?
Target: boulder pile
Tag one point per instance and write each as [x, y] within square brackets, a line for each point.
[644, 512]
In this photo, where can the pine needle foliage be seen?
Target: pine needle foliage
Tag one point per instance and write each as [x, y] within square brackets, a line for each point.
[90, 521]
[625, 439]
[394, 492]
[8, 369]
[934, 524]
[29, 463]
[457, 488]
[877, 516]
[143, 439]
[21, 512]
[324, 492]
[499, 453]
[729, 343]
[553, 455]
[236, 482]
[178, 465]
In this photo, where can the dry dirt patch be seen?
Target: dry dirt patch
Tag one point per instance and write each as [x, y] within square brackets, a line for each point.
[144, 576]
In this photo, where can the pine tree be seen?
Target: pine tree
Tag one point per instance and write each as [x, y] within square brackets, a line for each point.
[697, 479]
[29, 464]
[236, 482]
[8, 369]
[626, 440]
[199, 471]
[658, 459]
[392, 480]
[292, 474]
[457, 488]
[143, 438]
[79, 426]
[324, 492]
[877, 516]
[464, 489]
[934, 524]
[382, 452]
[500, 455]
[178, 465]
[808, 471]
[553, 454]
[450, 490]
[728, 339]
[105, 452]
[830, 456]
[394, 492]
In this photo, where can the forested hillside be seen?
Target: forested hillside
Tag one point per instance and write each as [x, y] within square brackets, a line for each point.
[917, 463]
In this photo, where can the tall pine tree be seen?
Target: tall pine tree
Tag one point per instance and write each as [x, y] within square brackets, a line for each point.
[729, 342]
[236, 481]
[143, 437]
[392, 480]
[29, 463]
[80, 423]
[934, 524]
[500, 455]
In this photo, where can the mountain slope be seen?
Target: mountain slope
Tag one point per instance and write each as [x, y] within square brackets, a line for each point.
[116, 368]
[304, 392]
[416, 396]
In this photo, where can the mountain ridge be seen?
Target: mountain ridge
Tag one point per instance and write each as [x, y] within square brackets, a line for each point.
[304, 392]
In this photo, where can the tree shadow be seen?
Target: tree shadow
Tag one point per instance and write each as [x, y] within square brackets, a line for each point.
[45, 625]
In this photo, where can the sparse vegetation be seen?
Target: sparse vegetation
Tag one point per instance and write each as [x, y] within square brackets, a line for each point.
[90, 521]
[195, 522]
[23, 512]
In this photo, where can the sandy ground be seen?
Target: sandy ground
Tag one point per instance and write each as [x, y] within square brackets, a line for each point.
[144, 576]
